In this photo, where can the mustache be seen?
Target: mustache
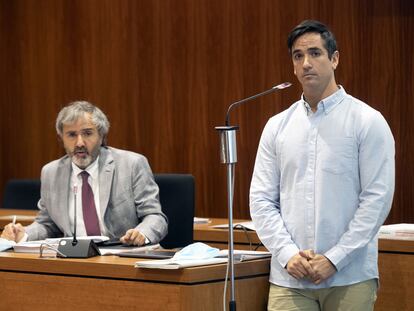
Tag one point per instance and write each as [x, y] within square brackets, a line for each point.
[80, 149]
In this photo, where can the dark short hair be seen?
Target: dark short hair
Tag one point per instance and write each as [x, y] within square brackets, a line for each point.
[315, 27]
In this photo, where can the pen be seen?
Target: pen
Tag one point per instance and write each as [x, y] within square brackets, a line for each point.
[14, 220]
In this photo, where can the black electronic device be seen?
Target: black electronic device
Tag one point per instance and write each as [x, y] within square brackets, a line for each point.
[74, 248]
[109, 243]
[153, 253]
[77, 249]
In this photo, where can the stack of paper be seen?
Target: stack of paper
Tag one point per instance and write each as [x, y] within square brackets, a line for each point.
[115, 250]
[177, 264]
[397, 232]
[33, 247]
[6, 244]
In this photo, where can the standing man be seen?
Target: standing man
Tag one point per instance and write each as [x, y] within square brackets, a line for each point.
[116, 192]
[322, 186]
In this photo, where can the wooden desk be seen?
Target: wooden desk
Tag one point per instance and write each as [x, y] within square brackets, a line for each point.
[25, 217]
[395, 261]
[112, 283]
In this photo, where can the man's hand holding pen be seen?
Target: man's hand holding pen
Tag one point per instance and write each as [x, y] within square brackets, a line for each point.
[13, 231]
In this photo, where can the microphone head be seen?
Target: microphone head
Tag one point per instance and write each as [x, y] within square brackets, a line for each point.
[282, 86]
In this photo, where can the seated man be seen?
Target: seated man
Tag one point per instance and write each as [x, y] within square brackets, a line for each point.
[115, 191]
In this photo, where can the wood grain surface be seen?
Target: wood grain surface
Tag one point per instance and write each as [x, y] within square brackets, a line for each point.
[165, 71]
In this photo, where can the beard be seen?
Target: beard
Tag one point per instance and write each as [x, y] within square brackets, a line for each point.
[82, 158]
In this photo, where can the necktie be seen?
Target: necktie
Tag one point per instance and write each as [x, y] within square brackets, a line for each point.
[90, 217]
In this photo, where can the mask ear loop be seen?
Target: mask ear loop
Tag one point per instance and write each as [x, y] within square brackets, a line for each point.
[45, 245]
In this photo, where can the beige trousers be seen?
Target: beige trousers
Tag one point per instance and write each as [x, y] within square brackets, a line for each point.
[357, 297]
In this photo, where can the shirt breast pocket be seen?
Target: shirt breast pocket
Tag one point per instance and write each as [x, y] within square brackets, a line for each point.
[337, 155]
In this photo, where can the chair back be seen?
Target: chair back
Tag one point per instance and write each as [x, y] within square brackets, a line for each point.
[21, 194]
[177, 202]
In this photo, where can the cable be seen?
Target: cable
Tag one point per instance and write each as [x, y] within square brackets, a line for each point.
[226, 280]
[239, 226]
[258, 245]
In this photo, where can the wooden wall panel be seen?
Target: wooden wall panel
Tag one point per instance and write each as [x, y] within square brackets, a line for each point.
[165, 72]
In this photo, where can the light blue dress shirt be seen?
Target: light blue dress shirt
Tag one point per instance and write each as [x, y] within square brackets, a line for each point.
[324, 181]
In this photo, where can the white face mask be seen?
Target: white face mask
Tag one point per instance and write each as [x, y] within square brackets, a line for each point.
[196, 251]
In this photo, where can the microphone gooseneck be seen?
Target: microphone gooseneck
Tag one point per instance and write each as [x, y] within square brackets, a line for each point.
[75, 222]
[276, 87]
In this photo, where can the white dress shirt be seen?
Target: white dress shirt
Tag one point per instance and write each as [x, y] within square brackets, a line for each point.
[76, 180]
[324, 181]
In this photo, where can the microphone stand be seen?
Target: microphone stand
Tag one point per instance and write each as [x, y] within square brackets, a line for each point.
[228, 156]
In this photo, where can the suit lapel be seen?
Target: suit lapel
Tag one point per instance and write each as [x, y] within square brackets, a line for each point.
[64, 172]
[106, 172]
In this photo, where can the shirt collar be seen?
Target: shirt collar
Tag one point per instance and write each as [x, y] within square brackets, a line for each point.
[92, 169]
[328, 103]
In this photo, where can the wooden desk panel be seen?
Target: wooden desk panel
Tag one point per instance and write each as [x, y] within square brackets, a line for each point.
[110, 282]
[396, 282]
[123, 268]
[38, 292]
[396, 262]
[396, 246]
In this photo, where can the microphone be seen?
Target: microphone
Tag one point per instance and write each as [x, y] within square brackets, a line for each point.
[72, 247]
[276, 87]
[228, 146]
[228, 156]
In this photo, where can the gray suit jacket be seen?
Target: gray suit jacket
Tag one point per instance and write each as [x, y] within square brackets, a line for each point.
[128, 197]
